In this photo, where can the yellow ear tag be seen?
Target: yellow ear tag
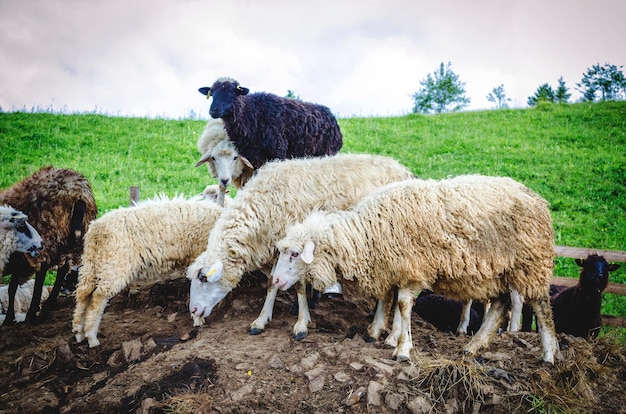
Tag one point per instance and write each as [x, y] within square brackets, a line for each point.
[208, 94]
[211, 272]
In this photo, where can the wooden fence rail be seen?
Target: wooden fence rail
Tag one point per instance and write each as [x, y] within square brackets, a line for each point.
[582, 253]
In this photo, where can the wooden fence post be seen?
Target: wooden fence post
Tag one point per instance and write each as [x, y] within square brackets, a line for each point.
[134, 195]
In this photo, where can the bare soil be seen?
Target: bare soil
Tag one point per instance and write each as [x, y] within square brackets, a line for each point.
[152, 360]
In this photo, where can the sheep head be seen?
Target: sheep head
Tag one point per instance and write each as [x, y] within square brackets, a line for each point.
[595, 272]
[224, 92]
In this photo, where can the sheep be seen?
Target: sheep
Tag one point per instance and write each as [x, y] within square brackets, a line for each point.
[281, 193]
[512, 323]
[577, 309]
[527, 312]
[446, 314]
[23, 298]
[266, 127]
[222, 158]
[469, 237]
[16, 235]
[140, 242]
[60, 204]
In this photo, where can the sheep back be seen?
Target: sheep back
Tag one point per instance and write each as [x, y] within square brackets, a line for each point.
[265, 126]
[122, 245]
[470, 237]
[282, 193]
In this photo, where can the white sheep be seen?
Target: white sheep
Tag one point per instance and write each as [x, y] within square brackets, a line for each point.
[281, 193]
[141, 242]
[470, 237]
[23, 297]
[222, 158]
[16, 235]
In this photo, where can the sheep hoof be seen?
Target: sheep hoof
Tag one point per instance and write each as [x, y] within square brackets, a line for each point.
[299, 336]
[255, 331]
[401, 358]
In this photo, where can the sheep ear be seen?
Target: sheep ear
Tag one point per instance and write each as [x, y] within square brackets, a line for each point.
[246, 162]
[613, 267]
[204, 158]
[242, 91]
[205, 90]
[307, 252]
[580, 262]
[215, 272]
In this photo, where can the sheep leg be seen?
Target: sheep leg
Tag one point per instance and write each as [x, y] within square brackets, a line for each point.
[489, 327]
[10, 316]
[379, 322]
[265, 316]
[405, 341]
[78, 321]
[93, 317]
[33, 310]
[300, 329]
[517, 301]
[465, 318]
[396, 323]
[52, 297]
[545, 323]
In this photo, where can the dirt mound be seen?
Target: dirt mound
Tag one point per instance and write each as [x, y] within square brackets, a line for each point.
[151, 360]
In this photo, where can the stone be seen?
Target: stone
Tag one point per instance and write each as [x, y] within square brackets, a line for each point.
[132, 350]
[309, 362]
[393, 400]
[419, 405]
[373, 393]
[238, 395]
[276, 363]
[341, 376]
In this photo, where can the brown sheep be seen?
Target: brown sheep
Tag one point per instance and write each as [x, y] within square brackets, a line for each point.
[60, 205]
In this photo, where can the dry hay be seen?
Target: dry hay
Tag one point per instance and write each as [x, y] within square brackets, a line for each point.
[443, 380]
[571, 384]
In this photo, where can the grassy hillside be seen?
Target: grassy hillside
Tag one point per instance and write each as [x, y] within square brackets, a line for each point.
[573, 155]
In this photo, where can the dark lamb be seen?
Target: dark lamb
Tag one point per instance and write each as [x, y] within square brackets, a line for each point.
[445, 314]
[577, 309]
[60, 205]
[266, 127]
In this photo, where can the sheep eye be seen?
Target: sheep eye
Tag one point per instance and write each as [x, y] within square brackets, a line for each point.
[202, 277]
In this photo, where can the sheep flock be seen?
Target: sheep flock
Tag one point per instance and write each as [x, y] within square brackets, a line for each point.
[304, 213]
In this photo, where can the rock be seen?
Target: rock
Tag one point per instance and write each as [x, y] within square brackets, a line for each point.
[373, 393]
[132, 350]
[357, 366]
[172, 317]
[316, 378]
[393, 400]
[341, 376]
[317, 383]
[419, 405]
[149, 346]
[309, 362]
[276, 363]
[238, 395]
[380, 367]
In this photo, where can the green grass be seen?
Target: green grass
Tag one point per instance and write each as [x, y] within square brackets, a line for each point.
[573, 155]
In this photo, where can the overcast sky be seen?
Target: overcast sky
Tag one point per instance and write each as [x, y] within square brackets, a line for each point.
[358, 57]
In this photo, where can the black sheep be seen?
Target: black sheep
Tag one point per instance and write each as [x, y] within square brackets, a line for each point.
[577, 309]
[266, 127]
[60, 205]
[445, 314]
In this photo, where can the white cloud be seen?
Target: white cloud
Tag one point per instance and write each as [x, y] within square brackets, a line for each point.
[357, 57]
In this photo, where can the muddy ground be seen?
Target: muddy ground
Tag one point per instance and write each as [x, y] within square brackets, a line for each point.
[152, 360]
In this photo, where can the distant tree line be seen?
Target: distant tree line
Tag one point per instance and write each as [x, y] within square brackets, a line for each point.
[443, 91]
